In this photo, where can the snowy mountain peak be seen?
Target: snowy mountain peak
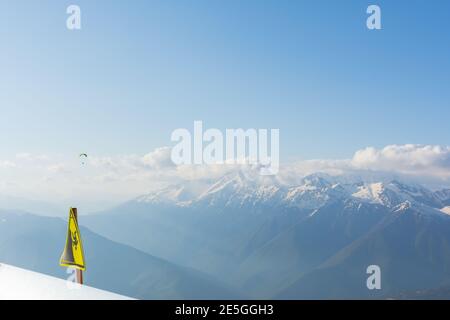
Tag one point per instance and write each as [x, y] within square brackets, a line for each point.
[316, 182]
[239, 190]
[229, 182]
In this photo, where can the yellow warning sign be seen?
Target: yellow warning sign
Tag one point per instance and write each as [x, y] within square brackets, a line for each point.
[73, 255]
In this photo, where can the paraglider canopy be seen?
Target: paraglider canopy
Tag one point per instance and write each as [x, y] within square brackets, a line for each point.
[83, 156]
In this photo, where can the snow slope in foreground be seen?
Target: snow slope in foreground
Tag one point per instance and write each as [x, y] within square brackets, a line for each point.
[20, 284]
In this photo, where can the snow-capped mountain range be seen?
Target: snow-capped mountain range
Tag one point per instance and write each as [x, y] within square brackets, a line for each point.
[313, 192]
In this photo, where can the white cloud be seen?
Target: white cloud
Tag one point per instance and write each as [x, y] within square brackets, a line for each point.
[427, 161]
[58, 168]
[406, 159]
[416, 160]
[119, 178]
[7, 164]
[32, 157]
[159, 158]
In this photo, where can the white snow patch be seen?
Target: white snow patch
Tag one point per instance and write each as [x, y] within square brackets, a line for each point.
[21, 284]
[370, 192]
[313, 213]
[402, 207]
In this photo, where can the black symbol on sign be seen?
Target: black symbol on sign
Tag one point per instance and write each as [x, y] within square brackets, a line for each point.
[74, 239]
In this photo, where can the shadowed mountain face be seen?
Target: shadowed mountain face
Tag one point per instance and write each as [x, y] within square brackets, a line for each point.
[305, 245]
[444, 196]
[36, 243]
[312, 240]
[410, 245]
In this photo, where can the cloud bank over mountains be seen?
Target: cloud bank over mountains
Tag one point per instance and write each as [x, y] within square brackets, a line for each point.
[106, 180]
[408, 159]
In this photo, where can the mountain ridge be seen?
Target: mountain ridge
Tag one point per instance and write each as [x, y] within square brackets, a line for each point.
[313, 191]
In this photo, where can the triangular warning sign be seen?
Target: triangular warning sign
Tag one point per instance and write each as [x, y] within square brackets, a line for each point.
[73, 255]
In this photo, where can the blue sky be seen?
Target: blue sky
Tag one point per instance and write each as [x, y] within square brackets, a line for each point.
[138, 70]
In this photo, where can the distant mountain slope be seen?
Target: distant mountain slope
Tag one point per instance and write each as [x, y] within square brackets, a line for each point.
[37, 207]
[36, 242]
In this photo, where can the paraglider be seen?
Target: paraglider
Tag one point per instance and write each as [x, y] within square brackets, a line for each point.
[83, 157]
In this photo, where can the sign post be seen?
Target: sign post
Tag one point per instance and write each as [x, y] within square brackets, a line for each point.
[73, 255]
[78, 271]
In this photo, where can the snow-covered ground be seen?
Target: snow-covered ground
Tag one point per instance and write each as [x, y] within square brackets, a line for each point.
[20, 284]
